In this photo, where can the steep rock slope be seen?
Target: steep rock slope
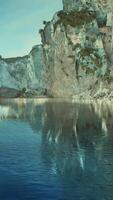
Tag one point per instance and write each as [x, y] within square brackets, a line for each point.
[77, 46]
[23, 73]
[75, 58]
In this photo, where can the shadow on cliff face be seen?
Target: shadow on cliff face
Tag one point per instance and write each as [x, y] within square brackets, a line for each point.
[6, 92]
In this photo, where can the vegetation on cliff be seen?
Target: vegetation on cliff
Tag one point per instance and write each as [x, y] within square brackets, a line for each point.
[74, 18]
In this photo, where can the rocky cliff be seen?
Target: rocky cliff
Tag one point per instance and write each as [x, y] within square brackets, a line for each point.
[23, 75]
[75, 58]
[77, 46]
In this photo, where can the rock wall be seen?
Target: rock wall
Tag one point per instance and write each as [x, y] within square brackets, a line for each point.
[75, 58]
[24, 72]
[77, 46]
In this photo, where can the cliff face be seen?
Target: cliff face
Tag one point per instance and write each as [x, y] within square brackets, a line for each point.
[77, 46]
[75, 57]
[23, 73]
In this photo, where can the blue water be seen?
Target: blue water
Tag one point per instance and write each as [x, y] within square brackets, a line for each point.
[56, 151]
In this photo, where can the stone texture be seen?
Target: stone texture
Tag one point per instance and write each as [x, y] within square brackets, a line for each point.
[75, 58]
[23, 73]
[77, 45]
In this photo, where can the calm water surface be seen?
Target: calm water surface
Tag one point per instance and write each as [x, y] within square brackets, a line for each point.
[55, 150]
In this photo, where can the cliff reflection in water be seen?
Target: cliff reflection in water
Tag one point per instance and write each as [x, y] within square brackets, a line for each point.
[77, 138]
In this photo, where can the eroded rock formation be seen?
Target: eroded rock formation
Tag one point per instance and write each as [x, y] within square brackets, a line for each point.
[23, 74]
[75, 58]
[77, 47]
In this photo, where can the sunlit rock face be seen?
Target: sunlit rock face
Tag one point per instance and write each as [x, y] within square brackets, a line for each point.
[77, 46]
[23, 72]
[75, 58]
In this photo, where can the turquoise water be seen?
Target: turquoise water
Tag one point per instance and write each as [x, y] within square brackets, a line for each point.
[54, 150]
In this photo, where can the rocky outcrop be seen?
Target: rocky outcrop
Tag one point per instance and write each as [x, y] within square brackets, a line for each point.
[23, 74]
[77, 46]
[75, 58]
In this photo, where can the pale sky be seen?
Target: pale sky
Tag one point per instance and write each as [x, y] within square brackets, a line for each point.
[20, 21]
